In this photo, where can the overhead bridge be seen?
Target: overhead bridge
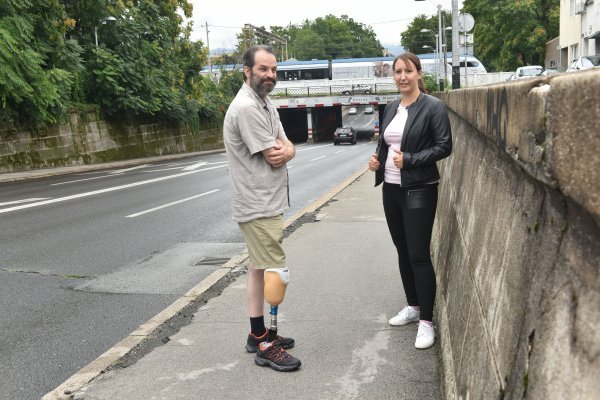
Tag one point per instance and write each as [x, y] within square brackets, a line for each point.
[311, 111]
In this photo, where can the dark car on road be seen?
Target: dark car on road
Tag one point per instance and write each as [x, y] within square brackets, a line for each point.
[344, 134]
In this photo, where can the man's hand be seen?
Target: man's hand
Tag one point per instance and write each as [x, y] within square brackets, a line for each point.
[281, 153]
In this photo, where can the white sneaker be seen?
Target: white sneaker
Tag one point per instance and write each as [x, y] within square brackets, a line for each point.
[406, 316]
[425, 336]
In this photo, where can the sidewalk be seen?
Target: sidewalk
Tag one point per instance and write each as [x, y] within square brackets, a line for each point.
[344, 287]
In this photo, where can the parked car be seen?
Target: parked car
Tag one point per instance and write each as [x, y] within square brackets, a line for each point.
[528, 71]
[344, 134]
[585, 62]
[369, 110]
[549, 71]
[359, 89]
[352, 110]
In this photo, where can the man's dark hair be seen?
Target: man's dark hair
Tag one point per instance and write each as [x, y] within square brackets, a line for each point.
[249, 54]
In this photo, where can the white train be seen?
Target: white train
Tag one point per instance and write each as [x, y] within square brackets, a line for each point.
[354, 68]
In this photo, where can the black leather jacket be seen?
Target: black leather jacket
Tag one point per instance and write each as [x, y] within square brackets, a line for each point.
[426, 139]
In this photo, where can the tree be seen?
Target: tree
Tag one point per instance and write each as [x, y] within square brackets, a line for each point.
[145, 63]
[324, 38]
[345, 38]
[413, 39]
[309, 45]
[35, 59]
[510, 33]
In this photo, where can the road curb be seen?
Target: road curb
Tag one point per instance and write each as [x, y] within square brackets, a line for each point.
[68, 389]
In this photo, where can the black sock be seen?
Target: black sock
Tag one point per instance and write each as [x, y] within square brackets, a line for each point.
[257, 325]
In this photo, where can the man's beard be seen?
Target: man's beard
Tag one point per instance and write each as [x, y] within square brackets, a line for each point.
[261, 85]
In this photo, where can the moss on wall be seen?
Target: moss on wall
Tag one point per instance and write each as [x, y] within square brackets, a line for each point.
[88, 139]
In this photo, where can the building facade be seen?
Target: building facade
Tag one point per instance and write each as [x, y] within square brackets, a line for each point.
[579, 30]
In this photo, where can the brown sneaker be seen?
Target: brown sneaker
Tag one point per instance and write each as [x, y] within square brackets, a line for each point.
[271, 354]
[253, 342]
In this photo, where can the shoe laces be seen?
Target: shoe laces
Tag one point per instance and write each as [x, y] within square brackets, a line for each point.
[406, 312]
[424, 330]
[276, 352]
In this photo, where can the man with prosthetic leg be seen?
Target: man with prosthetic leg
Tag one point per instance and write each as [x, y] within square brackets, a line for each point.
[258, 149]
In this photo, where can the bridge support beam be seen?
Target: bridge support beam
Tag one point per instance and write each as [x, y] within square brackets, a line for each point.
[309, 124]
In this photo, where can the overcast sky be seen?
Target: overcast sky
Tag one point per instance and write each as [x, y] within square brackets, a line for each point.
[225, 18]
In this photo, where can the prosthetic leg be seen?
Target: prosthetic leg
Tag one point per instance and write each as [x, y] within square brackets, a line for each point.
[276, 281]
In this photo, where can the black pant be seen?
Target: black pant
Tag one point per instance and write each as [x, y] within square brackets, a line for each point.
[409, 213]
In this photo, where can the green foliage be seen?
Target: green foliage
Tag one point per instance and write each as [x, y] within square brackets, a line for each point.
[329, 37]
[509, 33]
[144, 64]
[309, 45]
[413, 39]
[231, 82]
[430, 84]
[35, 78]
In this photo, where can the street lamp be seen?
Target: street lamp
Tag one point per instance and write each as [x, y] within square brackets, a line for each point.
[455, 62]
[436, 52]
[104, 21]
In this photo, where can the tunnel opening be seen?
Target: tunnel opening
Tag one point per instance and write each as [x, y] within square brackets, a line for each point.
[294, 123]
[325, 120]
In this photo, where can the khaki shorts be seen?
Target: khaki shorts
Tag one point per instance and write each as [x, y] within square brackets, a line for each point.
[263, 238]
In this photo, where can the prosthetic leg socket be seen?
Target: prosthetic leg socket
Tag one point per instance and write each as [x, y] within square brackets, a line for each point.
[276, 281]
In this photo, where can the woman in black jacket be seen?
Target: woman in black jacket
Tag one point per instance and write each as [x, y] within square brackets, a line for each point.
[415, 133]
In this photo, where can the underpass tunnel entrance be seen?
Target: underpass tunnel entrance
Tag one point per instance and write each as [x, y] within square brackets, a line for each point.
[295, 124]
[324, 121]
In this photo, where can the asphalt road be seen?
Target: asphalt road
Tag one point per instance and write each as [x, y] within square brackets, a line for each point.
[362, 122]
[86, 258]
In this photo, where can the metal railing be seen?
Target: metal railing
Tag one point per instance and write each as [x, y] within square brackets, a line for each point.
[335, 90]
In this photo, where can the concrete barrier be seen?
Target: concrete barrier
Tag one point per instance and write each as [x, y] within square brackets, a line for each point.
[515, 243]
[87, 139]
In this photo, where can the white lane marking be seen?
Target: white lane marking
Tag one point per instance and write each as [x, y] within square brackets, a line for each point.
[290, 167]
[120, 171]
[110, 189]
[313, 148]
[170, 204]
[162, 169]
[318, 158]
[8, 203]
[194, 166]
[185, 169]
[82, 180]
[340, 151]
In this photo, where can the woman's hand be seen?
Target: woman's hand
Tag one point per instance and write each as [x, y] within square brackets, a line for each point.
[373, 163]
[398, 159]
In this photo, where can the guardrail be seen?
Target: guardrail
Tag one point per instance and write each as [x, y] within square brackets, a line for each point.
[335, 90]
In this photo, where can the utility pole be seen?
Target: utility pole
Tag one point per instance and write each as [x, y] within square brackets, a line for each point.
[439, 46]
[264, 34]
[455, 61]
[208, 48]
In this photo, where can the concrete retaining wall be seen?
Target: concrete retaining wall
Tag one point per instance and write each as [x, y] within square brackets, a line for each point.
[516, 241]
[86, 140]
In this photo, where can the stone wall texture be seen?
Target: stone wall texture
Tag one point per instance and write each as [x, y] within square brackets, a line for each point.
[85, 139]
[516, 241]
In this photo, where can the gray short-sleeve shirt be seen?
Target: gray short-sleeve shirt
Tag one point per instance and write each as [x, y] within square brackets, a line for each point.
[251, 125]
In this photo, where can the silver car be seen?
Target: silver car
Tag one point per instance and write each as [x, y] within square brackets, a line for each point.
[585, 62]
